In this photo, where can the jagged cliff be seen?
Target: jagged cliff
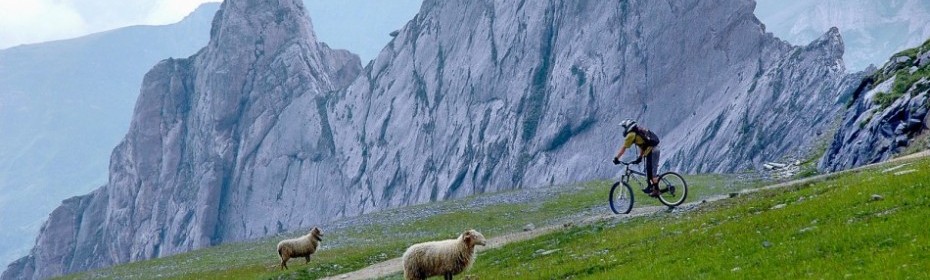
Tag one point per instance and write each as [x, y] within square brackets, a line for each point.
[198, 126]
[64, 105]
[492, 95]
[266, 130]
[887, 115]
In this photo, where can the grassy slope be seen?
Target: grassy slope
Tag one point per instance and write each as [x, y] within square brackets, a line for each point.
[829, 229]
[358, 247]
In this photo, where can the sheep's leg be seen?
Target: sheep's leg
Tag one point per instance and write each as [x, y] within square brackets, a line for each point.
[308, 260]
[448, 276]
[284, 262]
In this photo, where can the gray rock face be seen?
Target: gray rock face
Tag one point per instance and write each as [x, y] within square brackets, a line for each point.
[527, 95]
[873, 132]
[256, 135]
[64, 105]
[193, 145]
[923, 60]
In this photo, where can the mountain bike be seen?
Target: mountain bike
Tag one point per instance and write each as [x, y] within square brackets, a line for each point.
[673, 189]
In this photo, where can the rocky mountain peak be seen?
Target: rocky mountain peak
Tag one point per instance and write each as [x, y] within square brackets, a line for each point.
[260, 22]
[247, 34]
[204, 132]
[256, 135]
[831, 46]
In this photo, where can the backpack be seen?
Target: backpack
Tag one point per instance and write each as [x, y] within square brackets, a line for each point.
[651, 138]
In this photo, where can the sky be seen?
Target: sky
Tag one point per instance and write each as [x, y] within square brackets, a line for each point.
[872, 30]
[32, 21]
[362, 26]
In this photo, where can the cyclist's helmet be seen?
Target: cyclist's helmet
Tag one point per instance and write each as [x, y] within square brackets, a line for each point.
[628, 125]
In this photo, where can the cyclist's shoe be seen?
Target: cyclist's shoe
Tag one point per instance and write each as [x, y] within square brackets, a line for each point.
[655, 192]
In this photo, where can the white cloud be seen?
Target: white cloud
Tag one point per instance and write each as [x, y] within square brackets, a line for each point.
[170, 11]
[37, 20]
[31, 21]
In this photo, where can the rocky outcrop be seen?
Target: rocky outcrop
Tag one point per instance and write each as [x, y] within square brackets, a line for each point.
[64, 105]
[203, 128]
[255, 135]
[889, 109]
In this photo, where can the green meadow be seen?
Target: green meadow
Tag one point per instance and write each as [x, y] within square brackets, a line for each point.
[832, 228]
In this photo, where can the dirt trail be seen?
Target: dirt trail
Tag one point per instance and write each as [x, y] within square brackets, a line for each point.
[819, 178]
[393, 266]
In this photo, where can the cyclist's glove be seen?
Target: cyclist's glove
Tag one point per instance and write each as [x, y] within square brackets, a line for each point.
[616, 161]
[637, 161]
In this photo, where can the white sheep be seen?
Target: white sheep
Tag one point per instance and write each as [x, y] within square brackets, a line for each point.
[446, 257]
[303, 246]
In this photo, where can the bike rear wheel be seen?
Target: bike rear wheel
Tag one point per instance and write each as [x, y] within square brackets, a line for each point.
[674, 189]
[621, 198]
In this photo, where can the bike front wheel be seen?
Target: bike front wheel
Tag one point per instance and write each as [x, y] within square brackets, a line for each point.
[674, 189]
[621, 198]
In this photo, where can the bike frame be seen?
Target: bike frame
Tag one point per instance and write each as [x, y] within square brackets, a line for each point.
[627, 174]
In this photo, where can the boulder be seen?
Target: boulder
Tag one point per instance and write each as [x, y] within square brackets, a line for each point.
[529, 227]
[900, 129]
[918, 102]
[923, 59]
[901, 59]
[914, 125]
[901, 141]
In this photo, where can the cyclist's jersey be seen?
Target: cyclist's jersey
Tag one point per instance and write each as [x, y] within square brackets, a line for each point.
[634, 138]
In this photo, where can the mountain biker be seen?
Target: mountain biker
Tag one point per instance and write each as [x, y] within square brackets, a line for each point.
[648, 144]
